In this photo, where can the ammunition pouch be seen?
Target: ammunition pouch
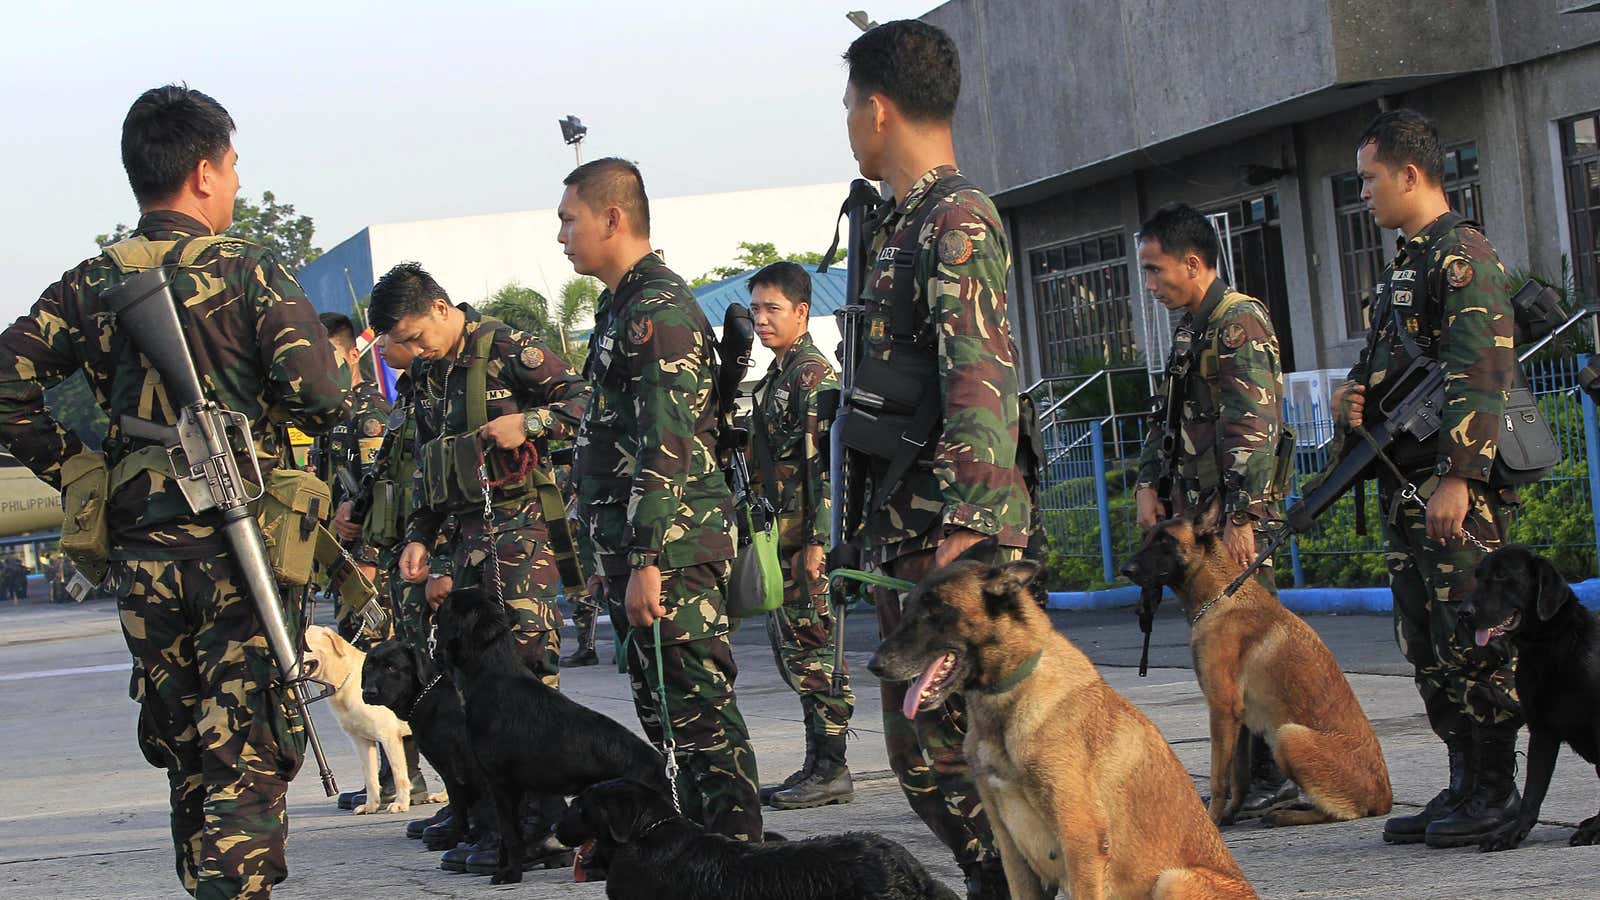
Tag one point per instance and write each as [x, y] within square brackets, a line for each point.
[894, 407]
[392, 501]
[294, 509]
[85, 531]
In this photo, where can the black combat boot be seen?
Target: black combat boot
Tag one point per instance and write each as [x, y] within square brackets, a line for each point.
[416, 827]
[1493, 800]
[767, 790]
[584, 655]
[1463, 766]
[828, 782]
[986, 880]
[1269, 788]
[455, 860]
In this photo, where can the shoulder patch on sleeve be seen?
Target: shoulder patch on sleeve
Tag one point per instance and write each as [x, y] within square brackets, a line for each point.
[1233, 335]
[531, 357]
[1458, 272]
[640, 331]
[810, 375]
[955, 247]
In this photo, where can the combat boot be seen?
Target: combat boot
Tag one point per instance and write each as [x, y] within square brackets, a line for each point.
[455, 860]
[1413, 829]
[416, 827]
[986, 880]
[829, 781]
[1493, 800]
[1269, 788]
[767, 790]
[540, 852]
[584, 655]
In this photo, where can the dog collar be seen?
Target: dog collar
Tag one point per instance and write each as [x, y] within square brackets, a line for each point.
[1021, 672]
[436, 679]
[1202, 610]
[652, 827]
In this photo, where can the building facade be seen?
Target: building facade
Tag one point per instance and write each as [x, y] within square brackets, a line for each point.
[1082, 118]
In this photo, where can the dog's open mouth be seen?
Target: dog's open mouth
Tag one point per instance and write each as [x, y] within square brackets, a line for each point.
[1484, 635]
[931, 687]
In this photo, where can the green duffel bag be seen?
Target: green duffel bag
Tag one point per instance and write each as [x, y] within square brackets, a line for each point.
[756, 587]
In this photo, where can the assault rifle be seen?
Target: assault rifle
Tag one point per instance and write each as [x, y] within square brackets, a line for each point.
[201, 449]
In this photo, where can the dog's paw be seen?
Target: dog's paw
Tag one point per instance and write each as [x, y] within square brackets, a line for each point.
[399, 806]
[507, 876]
[1506, 837]
[438, 797]
[1221, 813]
[1588, 833]
[367, 808]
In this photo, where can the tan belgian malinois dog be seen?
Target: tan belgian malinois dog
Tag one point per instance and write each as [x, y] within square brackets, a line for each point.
[1082, 791]
[1264, 670]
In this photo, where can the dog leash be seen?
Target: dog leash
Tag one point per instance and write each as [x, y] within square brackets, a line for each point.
[669, 746]
[415, 703]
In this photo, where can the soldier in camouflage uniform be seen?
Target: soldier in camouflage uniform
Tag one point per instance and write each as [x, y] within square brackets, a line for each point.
[1447, 296]
[529, 395]
[785, 450]
[351, 447]
[936, 315]
[585, 608]
[1225, 388]
[653, 497]
[203, 669]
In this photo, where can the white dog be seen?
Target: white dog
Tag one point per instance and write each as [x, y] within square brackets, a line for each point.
[333, 659]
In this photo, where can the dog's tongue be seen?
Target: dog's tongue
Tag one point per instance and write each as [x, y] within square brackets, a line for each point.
[579, 873]
[914, 693]
[1481, 636]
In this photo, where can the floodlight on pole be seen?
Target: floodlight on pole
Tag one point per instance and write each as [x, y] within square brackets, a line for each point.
[572, 131]
[861, 20]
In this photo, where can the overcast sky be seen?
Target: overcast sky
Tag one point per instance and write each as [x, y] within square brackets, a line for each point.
[380, 112]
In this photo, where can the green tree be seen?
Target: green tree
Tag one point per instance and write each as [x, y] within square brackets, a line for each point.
[525, 309]
[273, 225]
[578, 296]
[754, 255]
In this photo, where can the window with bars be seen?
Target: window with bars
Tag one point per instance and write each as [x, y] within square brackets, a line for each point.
[1362, 250]
[1082, 305]
[1580, 162]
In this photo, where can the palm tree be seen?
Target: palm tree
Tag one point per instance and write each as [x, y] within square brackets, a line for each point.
[578, 296]
[524, 309]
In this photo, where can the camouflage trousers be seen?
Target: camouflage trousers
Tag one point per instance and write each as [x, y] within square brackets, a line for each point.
[801, 632]
[1460, 682]
[926, 753]
[408, 603]
[717, 766]
[229, 744]
[525, 581]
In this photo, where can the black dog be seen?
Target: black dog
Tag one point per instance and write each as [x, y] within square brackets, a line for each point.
[1521, 595]
[654, 854]
[405, 680]
[528, 739]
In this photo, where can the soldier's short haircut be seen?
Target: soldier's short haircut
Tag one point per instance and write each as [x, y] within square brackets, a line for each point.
[1181, 229]
[405, 290]
[1406, 137]
[912, 63]
[789, 279]
[167, 132]
[611, 181]
[340, 329]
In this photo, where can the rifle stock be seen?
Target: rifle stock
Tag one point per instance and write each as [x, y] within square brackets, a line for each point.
[203, 461]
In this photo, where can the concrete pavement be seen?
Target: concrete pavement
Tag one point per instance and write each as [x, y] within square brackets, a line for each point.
[81, 815]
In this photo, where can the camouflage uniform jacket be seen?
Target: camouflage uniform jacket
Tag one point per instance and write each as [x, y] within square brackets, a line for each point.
[966, 477]
[1448, 292]
[1231, 414]
[257, 345]
[647, 473]
[522, 376]
[352, 446]
[785, 437]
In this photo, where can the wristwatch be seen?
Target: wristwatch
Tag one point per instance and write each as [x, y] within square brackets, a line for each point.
[533, 424]
[639, 559]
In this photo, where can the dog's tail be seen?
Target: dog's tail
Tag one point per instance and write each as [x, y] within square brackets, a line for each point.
[1344, 775]
[1199, 883]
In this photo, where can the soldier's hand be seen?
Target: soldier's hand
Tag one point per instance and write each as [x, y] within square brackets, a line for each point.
[439, 587]
[1150, 508]
[1349, 402]
[1240, 543]
[1447, 508]
[809, 559]
[954, 544]
[597, 588]
[414, 563]
[506, 432]
[644, 597]
[342, 526]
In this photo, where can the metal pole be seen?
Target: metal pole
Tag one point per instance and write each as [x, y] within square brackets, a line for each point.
[1102, 501]
[577, 150]
[1591, 440]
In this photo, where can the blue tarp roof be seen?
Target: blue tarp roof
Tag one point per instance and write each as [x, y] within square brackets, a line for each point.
[827, 293]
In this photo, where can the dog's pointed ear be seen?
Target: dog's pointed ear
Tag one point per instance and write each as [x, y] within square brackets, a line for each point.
[1207, 521]
[1553, 589]
[1012, 576]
